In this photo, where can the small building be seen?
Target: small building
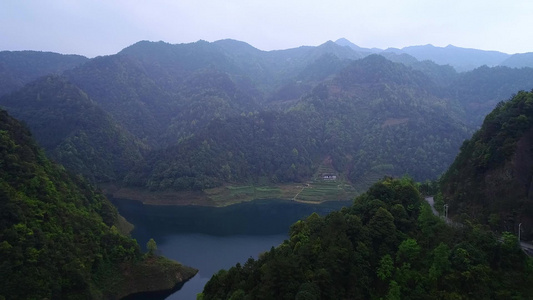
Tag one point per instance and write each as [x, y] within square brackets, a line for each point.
[329, 177]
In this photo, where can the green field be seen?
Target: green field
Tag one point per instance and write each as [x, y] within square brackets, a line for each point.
[316, 190]
[231, 194]
[320, 191]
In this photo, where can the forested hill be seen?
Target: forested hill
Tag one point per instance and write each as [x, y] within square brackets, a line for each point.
[74, 130]
[59, 237]
[374, 118]
[481, 89]
[20, 67]
[491, 178]
[363, 114]
[161, 97]
[387, 245]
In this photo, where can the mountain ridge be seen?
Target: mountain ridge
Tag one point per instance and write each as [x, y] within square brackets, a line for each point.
[490, 181]
[167, 96]
[60, 237]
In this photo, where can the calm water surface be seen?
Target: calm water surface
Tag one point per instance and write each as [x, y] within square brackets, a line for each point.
[209, 238]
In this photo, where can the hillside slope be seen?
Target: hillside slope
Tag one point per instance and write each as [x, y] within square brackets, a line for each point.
[74, 130]
[369, 117]
[374, 118]
[479, 90]
[491, 180]
[387, 245]
[20, 67]
[59, 237]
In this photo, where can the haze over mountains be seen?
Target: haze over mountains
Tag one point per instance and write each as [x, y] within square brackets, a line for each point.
[462, 59]
[326, 121]
[200, 115]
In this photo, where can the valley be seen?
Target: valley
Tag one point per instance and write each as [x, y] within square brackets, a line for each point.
[194, 117]
[316, 155]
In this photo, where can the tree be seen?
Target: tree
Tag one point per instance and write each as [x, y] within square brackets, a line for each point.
[394, 291]
[408, 251]
[382, 231]
[151, 246]
[386, 266]
[441, 261]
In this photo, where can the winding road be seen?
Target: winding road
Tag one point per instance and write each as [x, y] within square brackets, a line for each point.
[526, 247]
[431, 204]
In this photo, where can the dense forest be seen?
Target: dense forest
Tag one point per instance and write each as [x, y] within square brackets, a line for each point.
[340, 119]
[18, 68]
[191, 117]
[74, 130]
[490, 180]
[61, 239]
[386, 245]
[164, 117]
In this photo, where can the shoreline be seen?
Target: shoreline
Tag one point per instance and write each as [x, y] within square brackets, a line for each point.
[217, 197]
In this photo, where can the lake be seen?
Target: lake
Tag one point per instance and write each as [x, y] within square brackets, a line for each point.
[214, 238]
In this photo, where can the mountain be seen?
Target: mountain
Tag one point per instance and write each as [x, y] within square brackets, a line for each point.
[479, 90]
[347, 43]
[373, 118]
[462, 59]
[386, 245]
[519, 60]
[267, 146]
[73, 130]
[20, 67]
[121, 86]
[60, 238]
[175, 106]
[149, 87]
[153, 89]
[394, 117]
[490, 181]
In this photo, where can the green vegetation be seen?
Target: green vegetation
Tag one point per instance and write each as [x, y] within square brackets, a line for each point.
[317, 191]
[59, 237]
[74, 131]
[406, 130]
[232, 194]
[151, 246]
[18, 68]
[387, 245]
[490, 180]
[481, 89]
[195, 117]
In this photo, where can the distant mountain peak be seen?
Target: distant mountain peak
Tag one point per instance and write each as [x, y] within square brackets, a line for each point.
[329, 44]
[235, 45]
[343, 41]
[346, 43]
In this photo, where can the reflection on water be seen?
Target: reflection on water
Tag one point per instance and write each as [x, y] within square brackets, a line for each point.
[209, 238]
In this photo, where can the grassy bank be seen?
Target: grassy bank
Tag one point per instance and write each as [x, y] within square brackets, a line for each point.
[314, 191]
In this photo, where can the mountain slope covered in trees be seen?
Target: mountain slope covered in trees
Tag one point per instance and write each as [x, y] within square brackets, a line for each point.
[480, 90]
[491, 179]
[59, 237]
[75, 131]
[246, 113]
[375, 117]
[387, 245]
[20, 67]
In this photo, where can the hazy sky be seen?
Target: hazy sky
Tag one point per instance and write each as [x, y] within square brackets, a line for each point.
[102, 27]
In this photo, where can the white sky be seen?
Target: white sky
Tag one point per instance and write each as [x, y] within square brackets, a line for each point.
[102, 27]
